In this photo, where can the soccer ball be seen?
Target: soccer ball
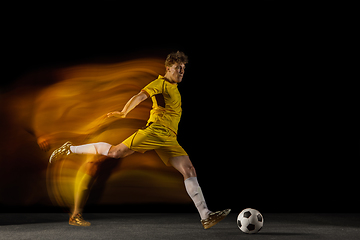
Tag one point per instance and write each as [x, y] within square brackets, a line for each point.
[250, 221]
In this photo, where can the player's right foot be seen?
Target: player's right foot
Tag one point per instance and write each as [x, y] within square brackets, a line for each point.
[214, 218]
[78, 220]
[61, 152]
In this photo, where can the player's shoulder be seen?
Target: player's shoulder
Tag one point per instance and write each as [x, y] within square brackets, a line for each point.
[154, 87]
[159, 80]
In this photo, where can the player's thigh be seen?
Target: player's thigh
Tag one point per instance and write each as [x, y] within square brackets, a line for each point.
[184, 165]
[120, 151]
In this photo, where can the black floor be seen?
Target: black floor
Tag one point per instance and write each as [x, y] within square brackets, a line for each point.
[176, 226]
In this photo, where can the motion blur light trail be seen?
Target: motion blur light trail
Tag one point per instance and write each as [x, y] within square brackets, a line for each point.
[79, 103]
[74, 108]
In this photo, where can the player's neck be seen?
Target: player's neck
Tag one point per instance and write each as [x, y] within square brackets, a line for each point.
[169, 80]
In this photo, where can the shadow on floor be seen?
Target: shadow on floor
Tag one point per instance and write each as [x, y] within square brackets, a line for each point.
[282, 234]
[31, 218]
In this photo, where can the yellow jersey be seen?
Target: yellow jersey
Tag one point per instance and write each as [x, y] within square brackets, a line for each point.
[166, 98]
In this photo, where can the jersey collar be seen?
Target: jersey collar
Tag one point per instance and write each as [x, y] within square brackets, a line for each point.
[162, 77]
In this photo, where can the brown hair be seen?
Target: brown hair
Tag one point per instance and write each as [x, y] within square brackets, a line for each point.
[178, 57]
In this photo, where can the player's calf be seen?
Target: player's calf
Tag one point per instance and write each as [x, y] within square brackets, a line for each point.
[100, 148]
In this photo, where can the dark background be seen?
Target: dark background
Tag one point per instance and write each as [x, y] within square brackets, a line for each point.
[267, 122]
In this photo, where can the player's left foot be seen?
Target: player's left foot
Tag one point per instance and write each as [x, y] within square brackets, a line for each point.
[78, 220]
[214, 218]
[59, 153]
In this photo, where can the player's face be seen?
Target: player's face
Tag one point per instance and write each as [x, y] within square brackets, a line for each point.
[175, 73]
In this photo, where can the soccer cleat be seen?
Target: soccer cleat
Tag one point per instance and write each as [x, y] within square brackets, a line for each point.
[214, 218]
[78, 220]
[59, 153]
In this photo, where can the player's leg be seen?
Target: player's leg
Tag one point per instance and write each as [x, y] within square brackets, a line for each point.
[186, 168]
[84, 181]
[100, 148]
[183, 165]
[86, 178]
[120, 151]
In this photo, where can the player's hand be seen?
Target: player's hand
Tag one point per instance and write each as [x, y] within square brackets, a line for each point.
[116, 114]
[43, 144]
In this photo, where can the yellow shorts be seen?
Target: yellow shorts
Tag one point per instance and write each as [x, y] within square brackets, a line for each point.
[156, 137]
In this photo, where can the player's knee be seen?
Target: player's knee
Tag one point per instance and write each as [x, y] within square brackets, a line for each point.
[115, 154]
[119, 151]
[92, 168]
[190, 171]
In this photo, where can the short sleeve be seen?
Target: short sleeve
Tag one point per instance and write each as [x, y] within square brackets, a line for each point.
[155, 87]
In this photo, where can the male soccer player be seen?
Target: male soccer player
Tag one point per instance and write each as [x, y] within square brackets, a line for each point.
[160, 135]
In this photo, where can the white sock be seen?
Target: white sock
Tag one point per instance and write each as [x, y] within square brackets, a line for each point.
[101, 148]
[194, 191]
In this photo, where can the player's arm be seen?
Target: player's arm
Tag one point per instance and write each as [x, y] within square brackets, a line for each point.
[130, 105]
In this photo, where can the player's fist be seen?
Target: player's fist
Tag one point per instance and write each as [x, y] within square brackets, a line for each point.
[116, 114]
[43, 143]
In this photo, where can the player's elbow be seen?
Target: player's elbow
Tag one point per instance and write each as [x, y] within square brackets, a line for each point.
[142, 96]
